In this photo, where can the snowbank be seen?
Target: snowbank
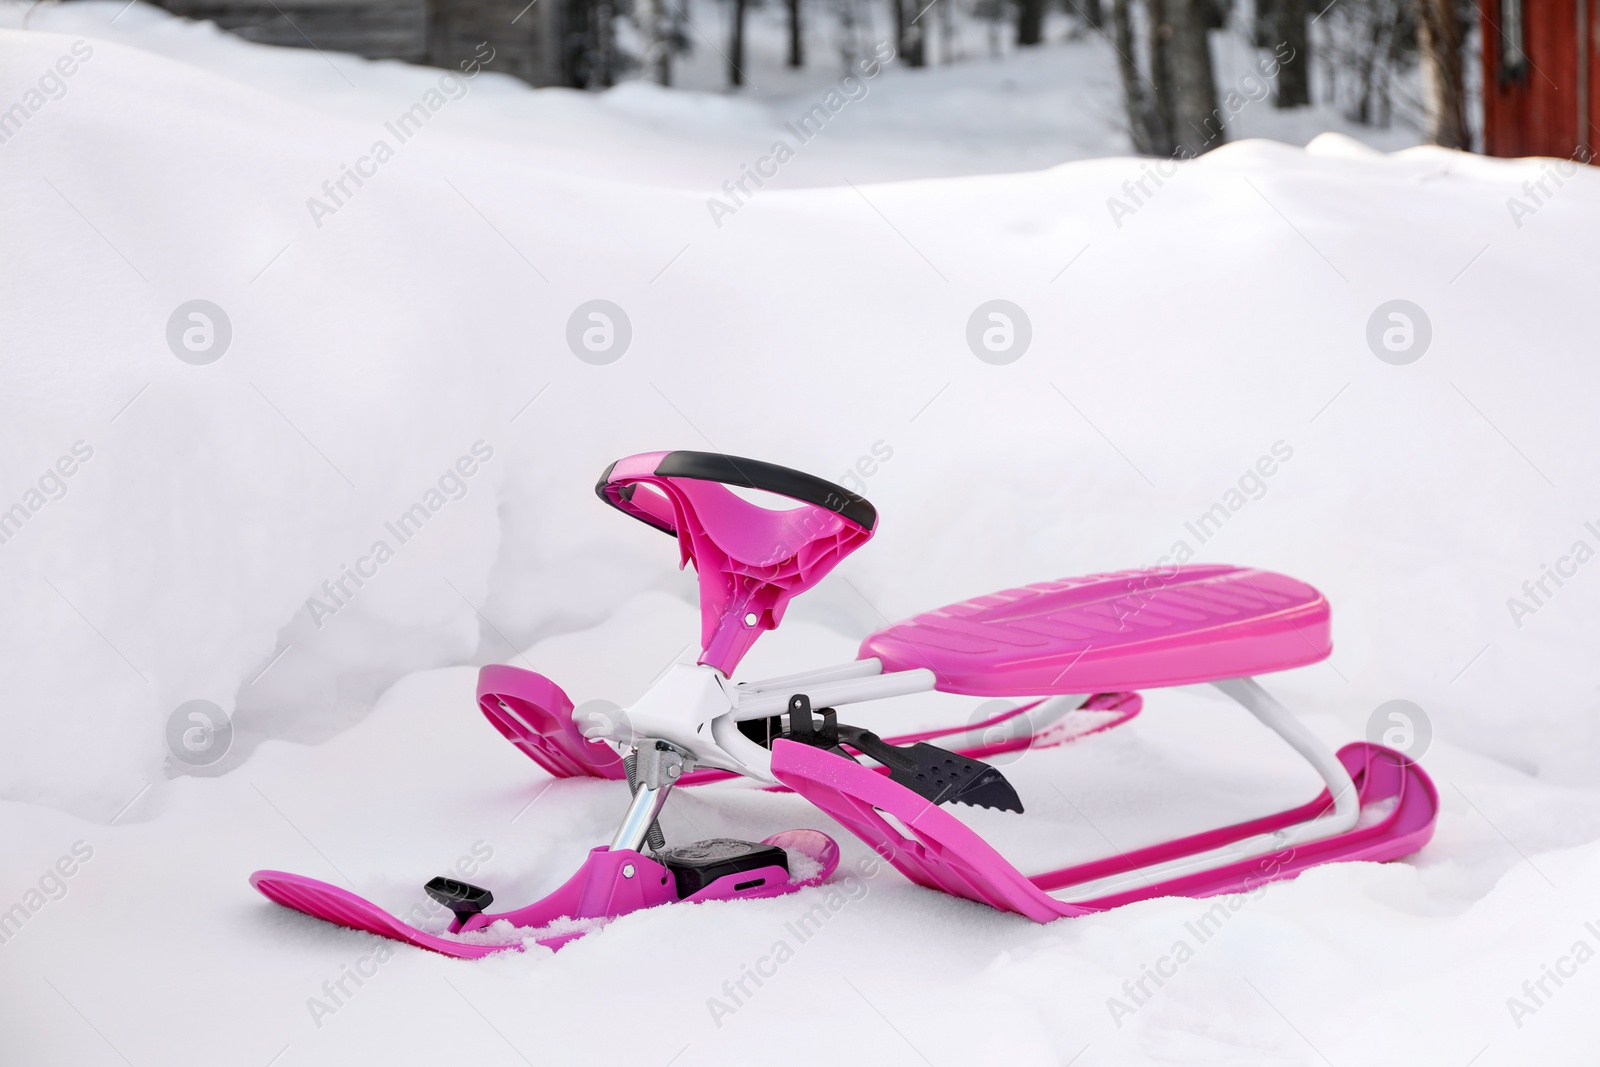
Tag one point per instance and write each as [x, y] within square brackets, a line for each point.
[1180, 330]
[397, 373]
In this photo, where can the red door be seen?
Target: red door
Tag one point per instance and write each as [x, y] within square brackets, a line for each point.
[1541, 72]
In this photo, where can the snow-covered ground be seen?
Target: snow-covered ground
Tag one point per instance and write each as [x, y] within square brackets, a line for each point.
[178, 516]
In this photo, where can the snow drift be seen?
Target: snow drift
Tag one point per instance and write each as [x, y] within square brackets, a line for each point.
[1186, 323]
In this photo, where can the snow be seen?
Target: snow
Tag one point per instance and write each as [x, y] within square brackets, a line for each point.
[1214, 320]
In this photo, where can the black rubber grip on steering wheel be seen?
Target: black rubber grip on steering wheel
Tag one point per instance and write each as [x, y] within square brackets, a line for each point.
[766, 477]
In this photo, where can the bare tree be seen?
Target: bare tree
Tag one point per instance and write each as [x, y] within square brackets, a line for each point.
[1160, 31]
[1288, 24]
[1364, 46]
[797, 54]
[590, 58]
[736, 45]
[1145, 125]
[909, 39]
[1439, 36]
[1172, 108]
[1030, 22]
[1186, 84]
[797, 57]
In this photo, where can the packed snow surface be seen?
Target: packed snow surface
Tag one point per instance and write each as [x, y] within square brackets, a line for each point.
[397, 352]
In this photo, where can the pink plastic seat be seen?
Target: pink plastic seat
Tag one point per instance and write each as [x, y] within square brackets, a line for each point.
[1129, 630]
[751, 560]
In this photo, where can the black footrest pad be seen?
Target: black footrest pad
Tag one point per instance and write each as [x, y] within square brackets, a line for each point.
[697, 865]
[935, 774]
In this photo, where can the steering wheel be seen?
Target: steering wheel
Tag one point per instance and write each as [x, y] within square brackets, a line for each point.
[751, 560]
[618, 486]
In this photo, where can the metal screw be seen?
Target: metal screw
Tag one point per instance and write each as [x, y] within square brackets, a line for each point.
[627, 870]
[750, 619]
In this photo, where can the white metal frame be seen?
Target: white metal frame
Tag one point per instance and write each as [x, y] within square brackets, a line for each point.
[697, 710]
[1277, 718]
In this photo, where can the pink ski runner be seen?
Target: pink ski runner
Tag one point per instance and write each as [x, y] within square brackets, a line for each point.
[608, 885]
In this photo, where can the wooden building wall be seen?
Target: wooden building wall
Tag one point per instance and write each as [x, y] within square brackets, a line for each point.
[1550, 107]
[526, 39]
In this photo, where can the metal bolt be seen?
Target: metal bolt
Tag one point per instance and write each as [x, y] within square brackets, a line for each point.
[750, 619]
[627, 870]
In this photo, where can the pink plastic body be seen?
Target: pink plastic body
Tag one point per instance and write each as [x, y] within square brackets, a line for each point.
[608, 885]
[534, 714]
[1104, 634]
[751, 561]
[1129, 630]
[943, 853]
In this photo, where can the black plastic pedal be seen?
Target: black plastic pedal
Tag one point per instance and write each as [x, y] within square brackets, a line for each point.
[697, 865]
[463, 900]
[936, 774]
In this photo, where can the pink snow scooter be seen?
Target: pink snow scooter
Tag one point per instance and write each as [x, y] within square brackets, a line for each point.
[1065, 648]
